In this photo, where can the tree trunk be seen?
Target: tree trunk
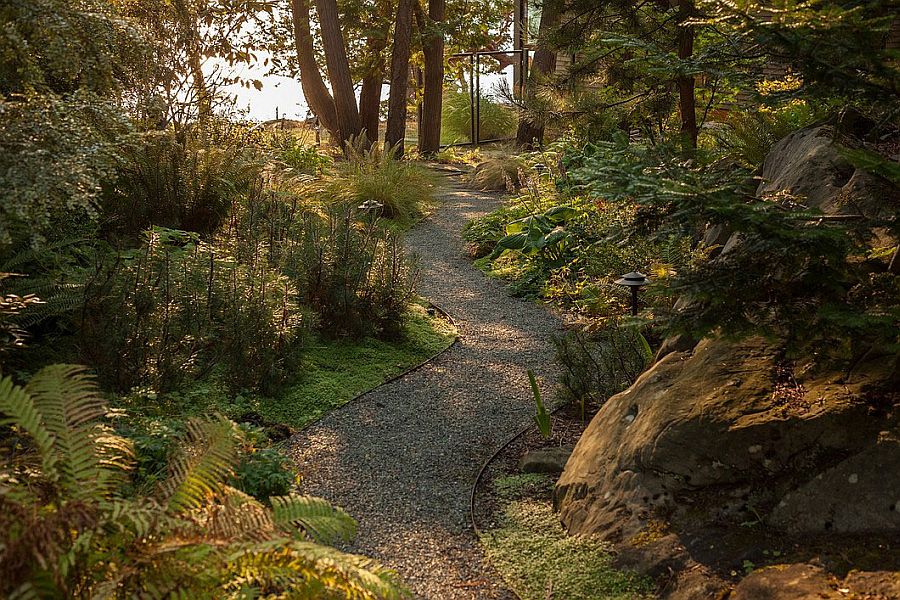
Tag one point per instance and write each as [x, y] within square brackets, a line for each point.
[433, 51]
[396, 123]
[530, 133]
[348, 124]
[687, 102]
[370, 94]
[188, 25]
[318, 98]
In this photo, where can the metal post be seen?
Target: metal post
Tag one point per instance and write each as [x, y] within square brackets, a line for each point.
[472, 99]
[634, 300]
[477, 98]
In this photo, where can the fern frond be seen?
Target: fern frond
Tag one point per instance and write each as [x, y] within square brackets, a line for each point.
[320, 520]
[309, 570]
[200, 471]
[19, 410]
[239, 518]
[90, 460]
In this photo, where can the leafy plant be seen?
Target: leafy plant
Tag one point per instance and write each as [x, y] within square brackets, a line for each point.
[542, 418]
[497, 121]
[178, 181]
[542, 234]
[68, 530]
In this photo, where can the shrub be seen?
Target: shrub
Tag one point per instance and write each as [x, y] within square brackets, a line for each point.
[498, 173]
[263, 473]
[750, 135]
[179, 181]
[596, 365]
[67, 529]
[175, 307]
[55, 156]
[354, 274]
[301, 158]
[400, 189]
[497, 121]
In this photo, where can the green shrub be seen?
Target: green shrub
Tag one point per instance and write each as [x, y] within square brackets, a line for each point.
[598, 364]
[396, 189]
[497, 121]
[179, 181]
[302, 158]
[264, 473]
[353, 274]
[749, 136]
[175, 307]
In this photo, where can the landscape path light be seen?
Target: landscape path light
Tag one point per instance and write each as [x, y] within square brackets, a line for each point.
[634, 280]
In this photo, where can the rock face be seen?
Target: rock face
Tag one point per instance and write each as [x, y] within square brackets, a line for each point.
[545, 460]
[712, 418]
[808, 165]
[859, 494]
[786, 582]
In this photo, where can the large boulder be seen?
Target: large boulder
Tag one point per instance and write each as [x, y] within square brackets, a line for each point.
[717, 418]
[808, 165]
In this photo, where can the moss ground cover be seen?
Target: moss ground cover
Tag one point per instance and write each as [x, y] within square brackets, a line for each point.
[538, 560]
[332, 373]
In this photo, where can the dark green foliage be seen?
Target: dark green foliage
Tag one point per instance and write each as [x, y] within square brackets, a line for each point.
[177, 306]
[264, 473]
[354, 272]
[179, 181]
[749, 136]
[792, 274]
[599, 364]
[837, 48]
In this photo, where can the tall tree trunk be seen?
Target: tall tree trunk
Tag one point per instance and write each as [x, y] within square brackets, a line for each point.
[396, 122]
[370, 94]
[318, 98]
[187, 25]
[530, 133]
[433, 51]
[338, 69]
[687, 101]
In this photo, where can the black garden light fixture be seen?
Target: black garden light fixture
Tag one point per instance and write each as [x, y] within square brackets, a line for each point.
[634, 280]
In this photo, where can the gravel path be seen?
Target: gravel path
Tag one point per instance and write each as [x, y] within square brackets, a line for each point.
[402, 458]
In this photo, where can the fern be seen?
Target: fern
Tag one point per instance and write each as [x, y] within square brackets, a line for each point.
[204, 466]
[201, 539]
[321, 521]
[90, 460]
[19, 410]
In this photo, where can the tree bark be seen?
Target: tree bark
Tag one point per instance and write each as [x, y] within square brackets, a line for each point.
[396, 122]
[187, 23]
[318, 98]
[370, 94]
[348, 124]
[687, 101]
[530, 133]
[433, 51]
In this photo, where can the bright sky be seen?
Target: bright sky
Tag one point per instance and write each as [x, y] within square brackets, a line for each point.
[284, 93]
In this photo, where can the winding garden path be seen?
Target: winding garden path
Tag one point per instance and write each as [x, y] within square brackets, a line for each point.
[402, 458]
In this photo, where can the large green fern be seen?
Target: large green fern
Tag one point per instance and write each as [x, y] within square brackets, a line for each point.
[66, 529]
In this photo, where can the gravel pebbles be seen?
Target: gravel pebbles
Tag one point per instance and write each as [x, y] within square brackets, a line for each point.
[402, 458]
